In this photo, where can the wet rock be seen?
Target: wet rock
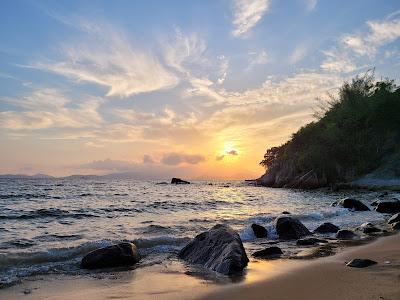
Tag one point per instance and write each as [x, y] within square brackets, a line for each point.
[344, 234]
[396, 226]
[369, 228]
[310, 242]
[285, 213]
[269, 252]
[389, 207]
[327, 228]
[219, 249]
[360, 263]
[394, 218]
[162, 183]
[179, 181]
[383, 194]
[353, 204]
[259, 231]
[122, 254]
[289, 228]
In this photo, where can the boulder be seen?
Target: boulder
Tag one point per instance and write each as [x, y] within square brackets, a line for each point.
[309, 241]
[219, 249]
[289, 228]
[351, 203]
[389, 207]
[394, 218]
[122, 254]
[369, 228]
[396, 226]
[179, 181]
[327, 228]
[259, 231]
[344, 234]
[360, 263]
[269, 252]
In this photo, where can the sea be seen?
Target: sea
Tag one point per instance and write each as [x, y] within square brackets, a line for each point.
[48, 225]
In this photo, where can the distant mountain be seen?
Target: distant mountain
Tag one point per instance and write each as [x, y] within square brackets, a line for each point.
[24, 176]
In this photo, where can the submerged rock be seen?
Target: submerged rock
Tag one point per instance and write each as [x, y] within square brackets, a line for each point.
[122, 254]
[179, 181]
[269, 252]
[310, 241]
[219, 249]
[289, 228]
[394, 218]
[345, 234]
[388, 207]
[351, 203]
[327, 228]
[259, 231]
[361, 263]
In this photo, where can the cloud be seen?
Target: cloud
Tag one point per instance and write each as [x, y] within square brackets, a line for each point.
[247, 13]
[49, 108]
[338, 62]
[258, 58]
[110, 165]
[219, 157]
[107, 58]
[147, 159]
[311, 4]
[232, 152]
[298, 54]
[173, 159]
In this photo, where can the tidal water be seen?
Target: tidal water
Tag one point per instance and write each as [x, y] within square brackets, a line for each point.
[47, 225]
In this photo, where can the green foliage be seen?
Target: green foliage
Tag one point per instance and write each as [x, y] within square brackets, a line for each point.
[352, 135]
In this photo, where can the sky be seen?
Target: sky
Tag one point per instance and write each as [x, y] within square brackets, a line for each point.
[196, 89]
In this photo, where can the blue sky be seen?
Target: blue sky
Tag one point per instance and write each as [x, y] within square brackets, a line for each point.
[172, 87]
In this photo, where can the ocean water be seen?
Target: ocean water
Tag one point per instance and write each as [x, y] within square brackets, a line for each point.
[47, 225]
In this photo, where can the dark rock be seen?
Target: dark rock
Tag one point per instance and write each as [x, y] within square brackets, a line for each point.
[285, 213]
[375, 203]
[390, 207]
[369, 228]
[360, 263]
[179, 181]
[327, 228]
[268, 252]
[289, 228]
[123, 254]
[162, 183]
[383, 194]
[394, 218]
[396, 226]
[310, 241]
[352, 204]
[344, 234]
[219, 249]
[259, 231]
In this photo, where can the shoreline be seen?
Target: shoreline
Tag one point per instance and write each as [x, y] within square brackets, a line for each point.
[330, 278]
[319, 278]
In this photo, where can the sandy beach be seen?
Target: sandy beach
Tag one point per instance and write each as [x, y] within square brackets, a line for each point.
[330, 278]
[324, 278]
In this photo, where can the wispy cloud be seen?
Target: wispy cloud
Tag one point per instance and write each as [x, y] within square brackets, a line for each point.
[246, 14]
[298, 53]
[311, 4]
[174, 159]
[49, 108]
[107, 58]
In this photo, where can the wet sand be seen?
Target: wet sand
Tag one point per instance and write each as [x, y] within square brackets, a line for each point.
[324, 278]
[329, 278]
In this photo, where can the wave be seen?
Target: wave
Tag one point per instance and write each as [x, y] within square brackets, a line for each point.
[47, 212]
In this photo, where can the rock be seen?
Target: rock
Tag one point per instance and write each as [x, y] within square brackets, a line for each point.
[388, 207]
[394, 218]
[122, 254]
[309, 241]
[396, 226]
[375, 203]
[162, 183]
[289, 228]
[360, 263]
[354, 204]
[285, 213]
[383, 194]
[369, 228]
[327, 228]
[344, 234]
[259, 231]
[219, 249]
[179, 181]
[268, 252]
